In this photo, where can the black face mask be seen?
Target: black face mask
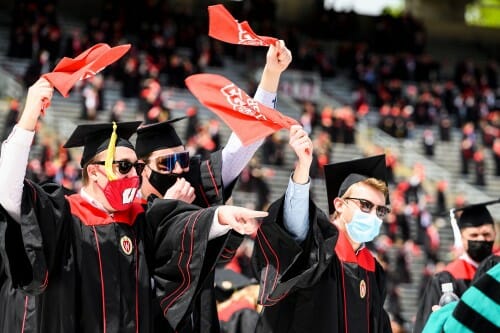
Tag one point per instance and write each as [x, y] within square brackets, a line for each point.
[162, 182]
[478, 250]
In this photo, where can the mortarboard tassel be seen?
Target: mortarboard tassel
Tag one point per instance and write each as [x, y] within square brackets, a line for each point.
[457, 237]
[108, 163]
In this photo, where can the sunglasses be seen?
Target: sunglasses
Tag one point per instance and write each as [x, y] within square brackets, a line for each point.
[124, 166]
[167, 163]
[366, 206]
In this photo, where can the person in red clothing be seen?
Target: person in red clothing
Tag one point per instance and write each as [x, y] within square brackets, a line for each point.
[477, 232]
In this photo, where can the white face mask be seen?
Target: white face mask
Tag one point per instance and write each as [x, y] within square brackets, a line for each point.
[363, 227]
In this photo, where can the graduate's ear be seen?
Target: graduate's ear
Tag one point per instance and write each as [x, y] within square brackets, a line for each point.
[338, 203]
[146, 172]
[92, 170]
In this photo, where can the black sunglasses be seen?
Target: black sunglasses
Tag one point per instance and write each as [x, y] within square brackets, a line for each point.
[167, 163]
[124, 166]
[366, 206]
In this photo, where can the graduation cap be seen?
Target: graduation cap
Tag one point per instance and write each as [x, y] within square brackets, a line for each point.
[340, 176]
[96, 138]
[157, 136]
[474, 215]
[228, 281]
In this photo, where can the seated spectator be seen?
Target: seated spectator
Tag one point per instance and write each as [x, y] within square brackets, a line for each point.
[37, 67]
[273, 150]
[480, 167]
[428, 142]
[496, 156]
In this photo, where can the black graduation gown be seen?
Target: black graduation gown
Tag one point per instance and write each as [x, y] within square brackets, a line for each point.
[186, 262]
[242, 321]
[77, 268]
[320, 285]
[73, 268]
[201, 314]
[206, 178]
[17, 309]
[459, 272]
[68, 252]
[16, 306]
[487, 263]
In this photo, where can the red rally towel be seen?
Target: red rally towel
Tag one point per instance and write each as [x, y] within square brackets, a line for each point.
[90, 62]
[223, 26]
[249, 119]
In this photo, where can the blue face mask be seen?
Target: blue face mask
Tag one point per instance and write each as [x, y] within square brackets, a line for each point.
[363, 227]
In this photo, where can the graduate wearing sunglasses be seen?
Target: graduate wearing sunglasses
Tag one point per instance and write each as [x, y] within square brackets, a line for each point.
[170, 173]
[316, 273]
[86, 262]
[204, 183]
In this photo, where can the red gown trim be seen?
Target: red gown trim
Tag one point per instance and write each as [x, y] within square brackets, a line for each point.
[345, 253]
[93, 216]
[461, 269]
[187, 248]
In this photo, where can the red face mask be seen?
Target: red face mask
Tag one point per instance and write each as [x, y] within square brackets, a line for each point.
[120, 193]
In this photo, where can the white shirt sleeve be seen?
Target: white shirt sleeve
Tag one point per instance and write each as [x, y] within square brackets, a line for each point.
[217, 229]
[13, 163]
[296, 209]
[265, 97]
[235, 156]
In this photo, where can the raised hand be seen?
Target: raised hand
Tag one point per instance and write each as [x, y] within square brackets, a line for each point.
[303, 148]
[278, 57]
[181, 190]
[37, 100]
[240, 219]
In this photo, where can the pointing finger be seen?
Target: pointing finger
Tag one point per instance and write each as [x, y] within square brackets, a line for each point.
[256, 214]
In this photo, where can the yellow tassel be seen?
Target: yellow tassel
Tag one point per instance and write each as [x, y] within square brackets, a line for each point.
[108, 163]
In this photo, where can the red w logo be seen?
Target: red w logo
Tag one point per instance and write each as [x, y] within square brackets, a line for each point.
[129, 195]
[246, 36]
[241, 102]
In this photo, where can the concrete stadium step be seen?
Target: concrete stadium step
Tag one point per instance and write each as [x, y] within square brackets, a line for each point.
[409, 292]
[235, 71]
[16, 66]
[339, 89]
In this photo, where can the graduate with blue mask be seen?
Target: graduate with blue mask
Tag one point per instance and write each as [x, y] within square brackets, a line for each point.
[362, 198]
[316, 274]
